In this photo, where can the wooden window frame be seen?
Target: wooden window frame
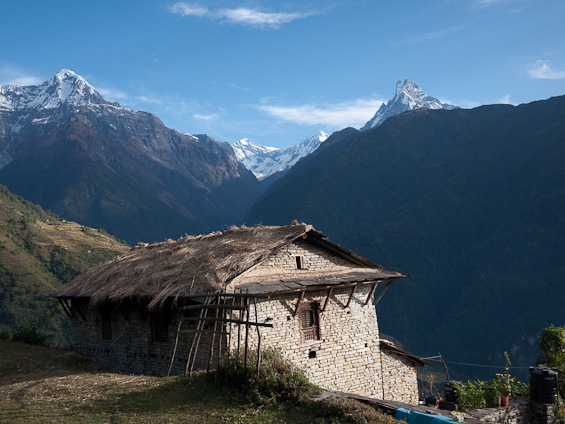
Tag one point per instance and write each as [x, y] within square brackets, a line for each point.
[309, 321]
[160, 327]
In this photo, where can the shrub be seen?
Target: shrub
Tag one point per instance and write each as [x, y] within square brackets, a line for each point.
[277, 378]
[29, 334]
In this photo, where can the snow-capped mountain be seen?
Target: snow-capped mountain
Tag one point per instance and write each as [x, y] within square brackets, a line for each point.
[65, 147]
[264, 161]
[408, 97]
[63, 88]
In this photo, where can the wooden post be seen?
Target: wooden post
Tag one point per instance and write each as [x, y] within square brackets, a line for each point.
[220, 342]
[382, 293]
[175, 348]
[351, 295]
[239, 325]
[371, 293]
[298, 303]
[258, 336]
[196, 339]
[213, 339]
[246, 330]
[327, 298]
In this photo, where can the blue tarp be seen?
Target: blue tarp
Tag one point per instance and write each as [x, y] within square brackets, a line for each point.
[413, 417]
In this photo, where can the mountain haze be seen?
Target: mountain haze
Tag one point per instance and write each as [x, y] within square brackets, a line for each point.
[469, 202]
[65, 147]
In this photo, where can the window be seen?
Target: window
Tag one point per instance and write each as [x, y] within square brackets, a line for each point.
[298, 262]
[160, 327]
[309, 322]
[106, 324]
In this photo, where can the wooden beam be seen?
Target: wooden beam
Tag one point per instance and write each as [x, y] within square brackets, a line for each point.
[382, 293]
[298, 303]
[208, 306]
[372, 292]
[327, 298]
[257, 295]
[194, 331]
[235, 321]
[351, 295]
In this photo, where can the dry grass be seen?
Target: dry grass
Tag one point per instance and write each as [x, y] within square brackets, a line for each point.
[46, 385]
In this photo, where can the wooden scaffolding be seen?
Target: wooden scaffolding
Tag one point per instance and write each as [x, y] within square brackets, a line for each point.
[223, 310]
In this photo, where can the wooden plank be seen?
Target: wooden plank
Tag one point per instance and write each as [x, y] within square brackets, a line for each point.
[382, 293]
[221, 306]
[351, 295]
[327, 298]
[298, 303]
[235, 321]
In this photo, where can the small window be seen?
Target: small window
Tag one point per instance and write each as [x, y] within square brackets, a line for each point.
[298, 262]
[160, 327]
[309, 322]
[106, 324]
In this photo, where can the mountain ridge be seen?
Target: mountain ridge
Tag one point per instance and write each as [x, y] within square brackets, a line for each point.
[116, 168]
[408, 96]
[469, 202]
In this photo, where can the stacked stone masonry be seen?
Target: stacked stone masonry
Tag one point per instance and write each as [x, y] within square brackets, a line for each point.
[400, 382]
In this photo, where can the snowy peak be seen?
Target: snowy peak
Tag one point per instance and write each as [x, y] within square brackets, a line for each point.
[264, 161]
[409, 96]
[64, 88]
[247, 147]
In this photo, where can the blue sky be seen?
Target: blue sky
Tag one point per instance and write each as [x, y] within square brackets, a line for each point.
[279, 71]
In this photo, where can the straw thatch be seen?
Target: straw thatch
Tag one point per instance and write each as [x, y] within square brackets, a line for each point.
[192, 264]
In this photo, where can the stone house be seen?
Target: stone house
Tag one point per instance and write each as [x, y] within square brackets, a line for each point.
[311, 298]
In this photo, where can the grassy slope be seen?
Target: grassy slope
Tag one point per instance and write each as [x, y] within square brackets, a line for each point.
[48, 385]
[38, 253]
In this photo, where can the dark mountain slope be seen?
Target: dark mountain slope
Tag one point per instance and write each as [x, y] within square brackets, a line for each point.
[470, 202]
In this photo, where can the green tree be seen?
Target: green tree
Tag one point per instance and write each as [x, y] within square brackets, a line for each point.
[552, 344]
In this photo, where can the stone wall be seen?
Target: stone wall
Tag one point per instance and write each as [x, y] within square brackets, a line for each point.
[399, 378]
[314, 258]
[131, 347]
[347, 356]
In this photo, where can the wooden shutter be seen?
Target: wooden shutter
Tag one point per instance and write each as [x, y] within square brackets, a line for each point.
[309, 322]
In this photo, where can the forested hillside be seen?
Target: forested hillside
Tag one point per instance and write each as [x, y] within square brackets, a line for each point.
[39, 251]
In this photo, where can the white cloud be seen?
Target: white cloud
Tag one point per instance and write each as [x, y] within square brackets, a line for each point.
[13, 75]
[209, 117]
[256, 18]
[352, 113]
[542, 69]
[425, 37]
[479, 4]
[240, 15]
[505, 100]
[185, 9]
[111, 94]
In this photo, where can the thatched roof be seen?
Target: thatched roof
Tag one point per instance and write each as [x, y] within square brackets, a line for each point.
[197, 264]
